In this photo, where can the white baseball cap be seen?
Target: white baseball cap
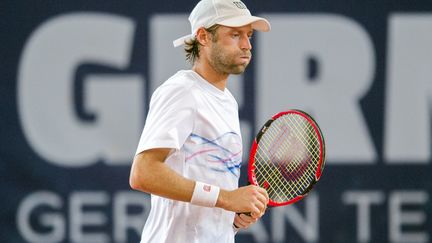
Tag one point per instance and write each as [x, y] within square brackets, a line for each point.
[231, 13]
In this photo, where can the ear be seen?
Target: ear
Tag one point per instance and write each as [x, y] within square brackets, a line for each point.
[202, 36]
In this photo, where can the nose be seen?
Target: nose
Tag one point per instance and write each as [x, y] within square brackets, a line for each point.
[245, 43]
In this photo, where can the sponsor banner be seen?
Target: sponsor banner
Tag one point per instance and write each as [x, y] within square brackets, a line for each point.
[77, 76]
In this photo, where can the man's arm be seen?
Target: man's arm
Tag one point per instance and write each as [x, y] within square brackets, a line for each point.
[150, 174]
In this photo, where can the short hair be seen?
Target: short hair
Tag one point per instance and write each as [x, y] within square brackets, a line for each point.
[192, 46]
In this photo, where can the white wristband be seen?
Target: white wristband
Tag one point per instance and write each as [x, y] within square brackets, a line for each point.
[205, 195]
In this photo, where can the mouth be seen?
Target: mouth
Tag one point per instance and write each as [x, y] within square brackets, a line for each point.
[245, 58]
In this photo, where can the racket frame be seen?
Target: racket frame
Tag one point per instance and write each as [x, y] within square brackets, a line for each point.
[254, 148]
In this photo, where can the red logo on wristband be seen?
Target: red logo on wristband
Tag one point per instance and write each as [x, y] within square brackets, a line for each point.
[207, 188]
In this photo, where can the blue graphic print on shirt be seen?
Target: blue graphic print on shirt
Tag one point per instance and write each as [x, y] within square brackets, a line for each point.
[223, 154]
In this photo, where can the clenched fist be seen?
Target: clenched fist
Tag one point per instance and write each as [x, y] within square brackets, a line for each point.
[248, 199]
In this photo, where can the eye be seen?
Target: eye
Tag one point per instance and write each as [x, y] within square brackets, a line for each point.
[235, 35]
[250, 35]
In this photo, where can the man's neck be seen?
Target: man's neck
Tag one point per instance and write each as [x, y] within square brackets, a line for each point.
[212, 76]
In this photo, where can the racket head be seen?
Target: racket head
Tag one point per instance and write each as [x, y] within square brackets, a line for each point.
[287, 157]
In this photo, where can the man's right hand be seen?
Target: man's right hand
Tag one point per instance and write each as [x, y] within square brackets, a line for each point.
[248, 199]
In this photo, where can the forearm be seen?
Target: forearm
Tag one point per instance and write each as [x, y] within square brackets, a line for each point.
[150, 174]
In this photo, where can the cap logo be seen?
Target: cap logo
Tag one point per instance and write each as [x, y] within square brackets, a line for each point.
[240, 5]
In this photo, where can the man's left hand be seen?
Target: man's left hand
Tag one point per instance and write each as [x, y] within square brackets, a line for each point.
[243, 221]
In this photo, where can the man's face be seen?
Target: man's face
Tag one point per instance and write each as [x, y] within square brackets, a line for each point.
[230, 52]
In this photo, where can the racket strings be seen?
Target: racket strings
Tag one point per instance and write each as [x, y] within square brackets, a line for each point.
[313, 146]
[302, 155]
[287, 157]
[282, 148]
[282, 155]
[276, 193]
[299, 126]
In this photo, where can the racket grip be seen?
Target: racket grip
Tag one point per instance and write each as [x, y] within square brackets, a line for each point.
[248, 214]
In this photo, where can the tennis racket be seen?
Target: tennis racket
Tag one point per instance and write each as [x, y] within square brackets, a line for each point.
[287, 157]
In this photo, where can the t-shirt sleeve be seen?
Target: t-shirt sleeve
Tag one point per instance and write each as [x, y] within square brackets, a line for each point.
[170, 118]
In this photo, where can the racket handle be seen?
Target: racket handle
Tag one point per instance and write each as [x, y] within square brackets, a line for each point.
[248, 214]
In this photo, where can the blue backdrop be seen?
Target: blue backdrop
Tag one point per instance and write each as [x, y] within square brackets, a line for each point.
[76, 78]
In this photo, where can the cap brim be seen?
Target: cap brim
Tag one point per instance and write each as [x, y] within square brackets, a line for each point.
[180, 41]
[257, 23]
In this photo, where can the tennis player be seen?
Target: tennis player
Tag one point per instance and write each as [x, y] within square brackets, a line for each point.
[189, 154]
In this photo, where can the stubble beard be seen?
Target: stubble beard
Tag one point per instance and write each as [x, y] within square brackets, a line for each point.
[224, 63]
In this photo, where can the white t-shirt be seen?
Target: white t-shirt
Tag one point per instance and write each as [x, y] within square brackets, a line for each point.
[201, 124]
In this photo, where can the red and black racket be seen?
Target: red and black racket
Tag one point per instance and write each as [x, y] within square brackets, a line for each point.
[287, 157]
